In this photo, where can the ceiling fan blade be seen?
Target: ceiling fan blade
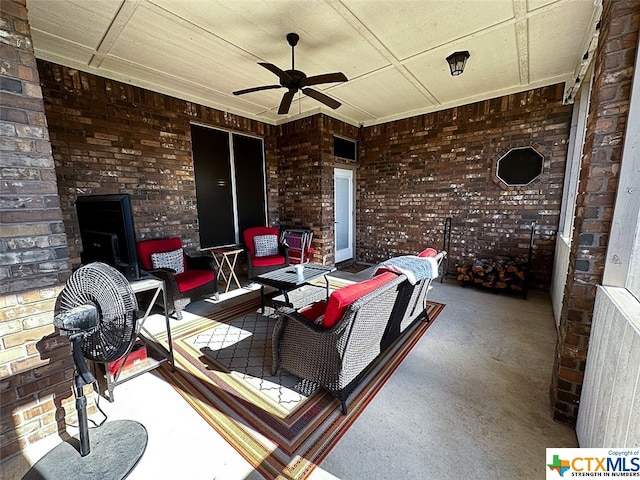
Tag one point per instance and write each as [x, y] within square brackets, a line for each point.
[256, 89]
[286, 102]
[321, 97]
[282, 75]
[324, 78]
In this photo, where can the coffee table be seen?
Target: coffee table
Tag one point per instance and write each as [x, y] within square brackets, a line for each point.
[286, 279]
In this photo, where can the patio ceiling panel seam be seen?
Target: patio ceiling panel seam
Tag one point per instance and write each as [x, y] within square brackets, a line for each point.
[368, 35]
[115, 28]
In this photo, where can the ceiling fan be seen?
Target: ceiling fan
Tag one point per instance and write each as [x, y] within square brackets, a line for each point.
[295, 80]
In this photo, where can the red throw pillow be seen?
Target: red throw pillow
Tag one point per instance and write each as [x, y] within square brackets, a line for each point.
[340, 300]
[428, 252]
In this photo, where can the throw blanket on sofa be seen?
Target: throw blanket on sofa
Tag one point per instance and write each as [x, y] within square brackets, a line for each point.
[415, 268]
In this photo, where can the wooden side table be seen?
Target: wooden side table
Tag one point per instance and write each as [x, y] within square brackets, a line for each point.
[226, 258]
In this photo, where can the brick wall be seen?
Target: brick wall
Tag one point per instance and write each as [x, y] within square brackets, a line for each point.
[305, 170]
[35, 363]
[110, 137]
[418, 171]
[604, 140]
[299, 177]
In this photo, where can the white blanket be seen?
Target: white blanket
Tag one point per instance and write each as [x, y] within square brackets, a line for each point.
[413, 267]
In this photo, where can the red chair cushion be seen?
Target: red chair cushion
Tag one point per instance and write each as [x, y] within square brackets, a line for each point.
[269, 261]
[428, 252]
[191, 279]
[340, 299]
[147, 247]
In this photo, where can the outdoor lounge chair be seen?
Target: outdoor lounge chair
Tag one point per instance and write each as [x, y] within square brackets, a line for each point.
[264, 250]
[186, 278]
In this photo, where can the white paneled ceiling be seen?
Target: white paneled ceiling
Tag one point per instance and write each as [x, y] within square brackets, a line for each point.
[393, 52]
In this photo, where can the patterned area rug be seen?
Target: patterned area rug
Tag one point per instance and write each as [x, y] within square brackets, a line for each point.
[283, 426]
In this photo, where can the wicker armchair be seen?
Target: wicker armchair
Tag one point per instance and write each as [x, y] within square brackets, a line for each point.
[258, 264]
[198, 279]
[336, 358]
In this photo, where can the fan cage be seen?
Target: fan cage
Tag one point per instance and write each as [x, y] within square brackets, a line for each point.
[109, 291]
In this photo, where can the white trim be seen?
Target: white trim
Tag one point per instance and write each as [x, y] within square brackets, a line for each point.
[574, 159]
[347, 253]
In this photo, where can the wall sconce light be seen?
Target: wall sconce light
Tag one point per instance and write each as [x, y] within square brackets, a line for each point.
[457, 62]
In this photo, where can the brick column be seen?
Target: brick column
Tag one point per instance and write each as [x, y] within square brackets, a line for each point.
[606, 125]
[35, 364]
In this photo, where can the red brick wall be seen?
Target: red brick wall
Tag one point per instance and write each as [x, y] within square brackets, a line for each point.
[299, 177]
[606, 126]
[109, 137]
[418, 171]
[142, 138]
[35, 364]
[305, 170]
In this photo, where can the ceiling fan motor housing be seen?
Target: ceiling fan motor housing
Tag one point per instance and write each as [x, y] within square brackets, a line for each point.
[296, 77]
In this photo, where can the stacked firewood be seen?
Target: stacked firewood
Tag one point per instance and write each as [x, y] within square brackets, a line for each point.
[499, 273]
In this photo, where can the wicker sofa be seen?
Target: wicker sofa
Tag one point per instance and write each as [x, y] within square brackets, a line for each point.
[337, 356]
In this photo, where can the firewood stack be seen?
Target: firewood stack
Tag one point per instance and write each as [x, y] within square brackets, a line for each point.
[502, 273]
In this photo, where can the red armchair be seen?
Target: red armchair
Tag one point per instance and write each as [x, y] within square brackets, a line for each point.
[264, 250]
[186, 278]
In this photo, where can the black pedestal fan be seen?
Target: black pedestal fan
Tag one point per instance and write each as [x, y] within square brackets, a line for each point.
[97, 310]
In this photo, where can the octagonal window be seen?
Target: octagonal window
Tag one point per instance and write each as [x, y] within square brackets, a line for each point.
[520, 166]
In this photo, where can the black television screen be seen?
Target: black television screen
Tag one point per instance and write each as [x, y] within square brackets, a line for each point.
[107, 232]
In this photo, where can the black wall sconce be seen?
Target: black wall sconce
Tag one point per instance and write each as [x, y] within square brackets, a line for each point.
[457, 62]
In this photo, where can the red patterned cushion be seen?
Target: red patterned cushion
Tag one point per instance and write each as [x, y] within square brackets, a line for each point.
[340, 300]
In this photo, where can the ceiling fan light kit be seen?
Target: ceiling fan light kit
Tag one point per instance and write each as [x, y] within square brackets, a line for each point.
[457, 61]
[295, 80]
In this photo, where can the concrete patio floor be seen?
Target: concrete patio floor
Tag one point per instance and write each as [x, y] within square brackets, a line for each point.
[471, 401]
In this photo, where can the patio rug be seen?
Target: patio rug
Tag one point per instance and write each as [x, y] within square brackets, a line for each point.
[355, 267]
[281, 425]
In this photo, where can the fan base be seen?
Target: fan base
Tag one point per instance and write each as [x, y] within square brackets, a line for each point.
[116, 448]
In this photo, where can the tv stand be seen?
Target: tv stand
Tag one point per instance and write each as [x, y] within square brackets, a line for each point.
[156, 353]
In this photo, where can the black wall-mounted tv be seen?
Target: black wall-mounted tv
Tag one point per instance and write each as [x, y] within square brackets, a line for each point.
[107, 232]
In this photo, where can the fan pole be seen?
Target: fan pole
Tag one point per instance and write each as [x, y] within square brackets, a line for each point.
[293, 38]
[82, 377]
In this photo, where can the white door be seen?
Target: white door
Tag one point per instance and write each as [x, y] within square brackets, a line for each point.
[343, 208]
